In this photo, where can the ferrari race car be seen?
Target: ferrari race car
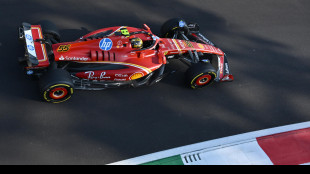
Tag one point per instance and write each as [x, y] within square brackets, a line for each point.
[117, 56]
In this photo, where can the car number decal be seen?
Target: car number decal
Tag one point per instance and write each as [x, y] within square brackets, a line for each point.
[63, 48]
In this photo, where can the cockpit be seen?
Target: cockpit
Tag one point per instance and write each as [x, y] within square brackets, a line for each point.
[137, 39]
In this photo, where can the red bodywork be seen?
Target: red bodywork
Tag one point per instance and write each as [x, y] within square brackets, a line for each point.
[139, 62]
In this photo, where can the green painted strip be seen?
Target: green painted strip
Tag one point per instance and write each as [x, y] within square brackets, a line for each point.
[174, 160]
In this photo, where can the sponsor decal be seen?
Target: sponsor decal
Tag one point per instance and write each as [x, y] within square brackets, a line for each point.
[171, 44]
[105, 44]
[30, 44]
[29, 72]
[211, 48]
[30, 47]
[63, 48]
[182, 23]
[92, 76]
[188, 43]
[136, 76]
[119, 43]
[221, 66]
[29, 37]
[181, 44]
[121, 75]
[226, 68]
[162, 45]
[200, 46]
[73, 58]
[170, 57]
[205, 39]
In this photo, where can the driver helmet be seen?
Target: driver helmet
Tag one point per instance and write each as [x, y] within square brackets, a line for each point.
[136, 42]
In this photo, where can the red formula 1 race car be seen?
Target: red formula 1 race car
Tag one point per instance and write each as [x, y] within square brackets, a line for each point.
[117, 56]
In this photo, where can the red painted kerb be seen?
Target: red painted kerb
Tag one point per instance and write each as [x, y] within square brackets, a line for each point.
[288, 148]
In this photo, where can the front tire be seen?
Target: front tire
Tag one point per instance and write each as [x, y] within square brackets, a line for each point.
[169, 27]
[200, 75]
[56, 86]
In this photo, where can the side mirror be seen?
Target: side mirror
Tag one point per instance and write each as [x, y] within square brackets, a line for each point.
[146, 27]
[193, 26]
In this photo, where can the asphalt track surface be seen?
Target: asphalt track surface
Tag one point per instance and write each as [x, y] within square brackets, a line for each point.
[267, 43]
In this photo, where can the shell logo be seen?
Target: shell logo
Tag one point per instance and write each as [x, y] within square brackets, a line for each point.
[201, 46]
[136, 76]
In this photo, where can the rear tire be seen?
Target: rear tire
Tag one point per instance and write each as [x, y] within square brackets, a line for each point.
[200, 75]
[50, 30]
[56, 86]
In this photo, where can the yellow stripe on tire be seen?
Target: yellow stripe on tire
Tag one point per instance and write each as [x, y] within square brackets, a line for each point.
[57, 85]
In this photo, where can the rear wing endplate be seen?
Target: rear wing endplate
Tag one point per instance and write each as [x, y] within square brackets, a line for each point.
[35, 50]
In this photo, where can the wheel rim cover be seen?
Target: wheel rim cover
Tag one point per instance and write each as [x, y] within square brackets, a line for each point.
[58, 93]
[203, 80]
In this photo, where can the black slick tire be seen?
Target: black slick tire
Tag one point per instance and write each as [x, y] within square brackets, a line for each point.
[168, 28]
[200, 75]
[50, 30]
[56, 86]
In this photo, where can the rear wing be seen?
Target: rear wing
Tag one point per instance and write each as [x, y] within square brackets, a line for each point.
[35, 49]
